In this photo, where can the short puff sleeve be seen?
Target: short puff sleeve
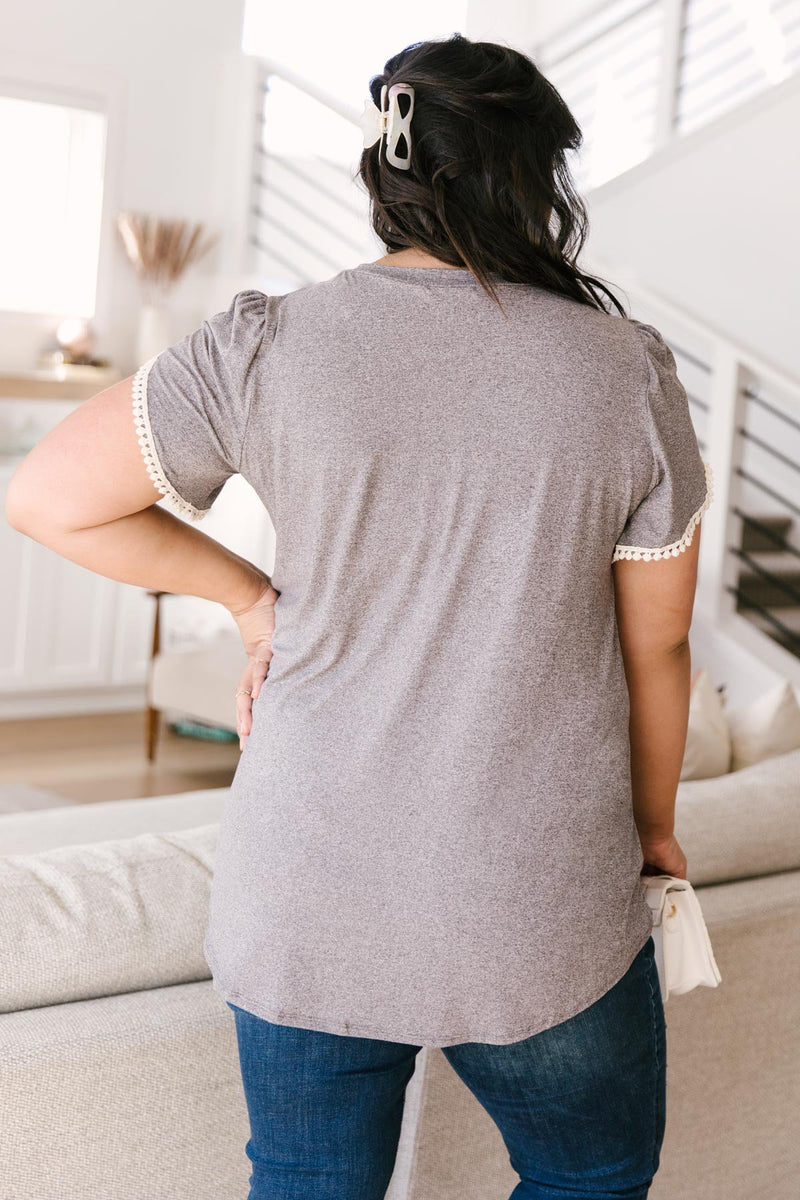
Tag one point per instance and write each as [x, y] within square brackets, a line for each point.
[191, 401]
[664, 521]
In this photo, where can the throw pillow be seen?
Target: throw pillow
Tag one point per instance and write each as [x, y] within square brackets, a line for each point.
[767, 727]
[708, 741]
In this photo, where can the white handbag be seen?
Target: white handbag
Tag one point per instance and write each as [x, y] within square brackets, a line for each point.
[684, 956]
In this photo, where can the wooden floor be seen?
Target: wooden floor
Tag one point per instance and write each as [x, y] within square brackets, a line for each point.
[101, 757]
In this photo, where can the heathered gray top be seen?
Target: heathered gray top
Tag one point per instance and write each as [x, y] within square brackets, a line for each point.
[429, 837]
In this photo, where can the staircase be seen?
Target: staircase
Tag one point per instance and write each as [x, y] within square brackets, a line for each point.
[768, 585]
[746, 416]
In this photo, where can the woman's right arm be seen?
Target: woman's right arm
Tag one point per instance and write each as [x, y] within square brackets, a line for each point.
[654, 603]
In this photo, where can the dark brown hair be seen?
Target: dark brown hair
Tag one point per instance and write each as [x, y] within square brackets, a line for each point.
[489, 187]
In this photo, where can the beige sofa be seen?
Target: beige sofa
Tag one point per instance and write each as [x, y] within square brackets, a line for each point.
[118, 1061]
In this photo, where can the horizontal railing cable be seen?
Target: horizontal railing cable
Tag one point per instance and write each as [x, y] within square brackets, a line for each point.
[287, 164]
[782, 585]
[295, 238]
[782, 545]
[757, 441]
[744, 474]
[303, 276]
[315, 217]
[788, 633]
[691, 358]
[756, 398]
[606, 31]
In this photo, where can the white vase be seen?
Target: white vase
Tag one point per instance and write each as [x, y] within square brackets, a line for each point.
[154, 333]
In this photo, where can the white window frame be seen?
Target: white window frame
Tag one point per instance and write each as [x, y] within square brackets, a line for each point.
[76, 86]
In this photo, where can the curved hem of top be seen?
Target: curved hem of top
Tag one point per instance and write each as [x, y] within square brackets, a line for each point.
[355, 1029]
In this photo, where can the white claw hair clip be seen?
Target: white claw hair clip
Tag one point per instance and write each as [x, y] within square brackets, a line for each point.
[393, 119]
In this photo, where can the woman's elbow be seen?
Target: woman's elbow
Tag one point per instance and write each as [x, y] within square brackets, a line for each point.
[27, 504]
[17, 504]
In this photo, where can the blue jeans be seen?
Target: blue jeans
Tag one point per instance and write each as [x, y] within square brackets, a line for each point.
[580, 1106]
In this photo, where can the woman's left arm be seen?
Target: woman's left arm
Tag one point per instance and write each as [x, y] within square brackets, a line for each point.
[84, 492]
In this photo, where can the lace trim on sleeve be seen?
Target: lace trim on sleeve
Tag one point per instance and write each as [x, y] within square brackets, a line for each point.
[147, 445]
[674, 548]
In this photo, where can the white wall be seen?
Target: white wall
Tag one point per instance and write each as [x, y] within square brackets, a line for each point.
[550, 18]
[169, 71]
[506, 21]
[712, 224]
[522, 23]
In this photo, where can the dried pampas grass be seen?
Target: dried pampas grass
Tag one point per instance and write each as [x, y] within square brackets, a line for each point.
[161, 250]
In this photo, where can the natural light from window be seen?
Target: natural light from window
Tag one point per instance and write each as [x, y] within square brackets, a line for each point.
[50, 207]
[338, 57]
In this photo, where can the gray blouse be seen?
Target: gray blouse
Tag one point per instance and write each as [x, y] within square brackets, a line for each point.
[429, 837]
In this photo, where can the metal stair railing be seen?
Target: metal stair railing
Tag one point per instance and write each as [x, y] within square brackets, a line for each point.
[640, 73]
[307, 212]
[746, 415]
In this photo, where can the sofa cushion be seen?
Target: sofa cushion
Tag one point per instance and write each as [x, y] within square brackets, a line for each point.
[767, 727]
[708, 739]
[742, 824]
[85, 921]
[78, 824]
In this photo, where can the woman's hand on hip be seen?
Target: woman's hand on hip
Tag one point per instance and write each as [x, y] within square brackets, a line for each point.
[256, 623]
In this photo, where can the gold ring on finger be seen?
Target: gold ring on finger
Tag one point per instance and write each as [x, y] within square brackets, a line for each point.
[243, 692]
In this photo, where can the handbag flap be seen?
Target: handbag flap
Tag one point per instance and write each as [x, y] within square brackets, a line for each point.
[655, 893]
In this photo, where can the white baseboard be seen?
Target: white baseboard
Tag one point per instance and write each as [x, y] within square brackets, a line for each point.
[72, 703]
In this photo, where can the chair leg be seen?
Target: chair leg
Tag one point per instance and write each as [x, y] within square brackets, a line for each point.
[153, 728]
[153, 722]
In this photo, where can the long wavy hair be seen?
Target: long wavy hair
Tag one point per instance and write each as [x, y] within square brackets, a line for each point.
[489, 187]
